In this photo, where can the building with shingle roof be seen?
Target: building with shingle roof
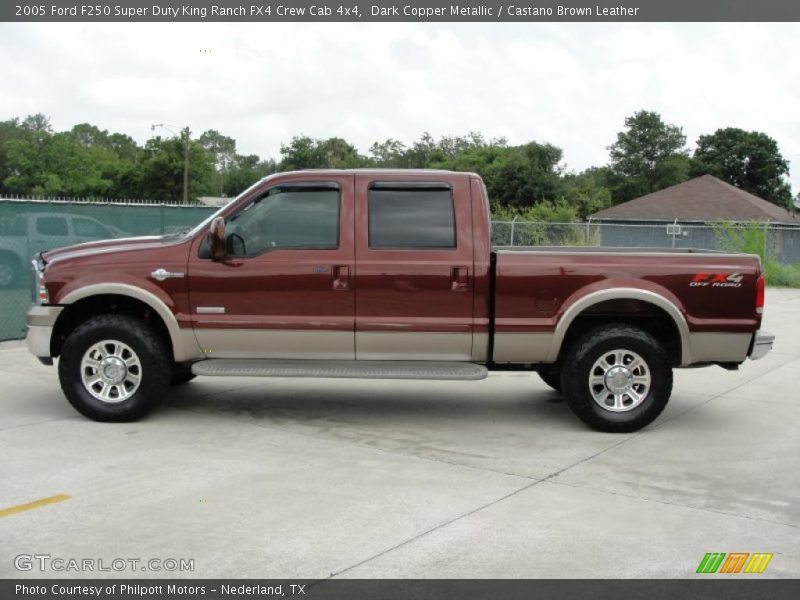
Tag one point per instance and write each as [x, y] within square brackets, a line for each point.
[702, 199]
[681, 216]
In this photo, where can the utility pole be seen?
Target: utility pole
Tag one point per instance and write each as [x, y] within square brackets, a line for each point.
[186, 139]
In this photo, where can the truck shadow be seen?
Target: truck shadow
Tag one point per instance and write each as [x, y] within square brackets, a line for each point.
[377, 402]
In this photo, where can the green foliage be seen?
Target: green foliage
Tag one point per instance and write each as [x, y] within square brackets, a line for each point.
[543, 224]
[161, 169]
[529, 179]
[750, 160]
[648, 155]
[783, 275]
[752, 238]
[307, 153]
[587, 192]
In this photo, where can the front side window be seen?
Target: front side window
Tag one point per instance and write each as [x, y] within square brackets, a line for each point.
[411, 216]
[291, 216]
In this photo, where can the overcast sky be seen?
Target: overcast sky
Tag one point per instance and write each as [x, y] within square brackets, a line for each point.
[568, 84]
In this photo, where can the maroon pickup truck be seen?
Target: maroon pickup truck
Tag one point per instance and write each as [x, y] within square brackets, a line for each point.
[385, 274]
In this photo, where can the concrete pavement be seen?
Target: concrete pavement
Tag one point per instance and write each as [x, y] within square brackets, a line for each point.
[312, 478]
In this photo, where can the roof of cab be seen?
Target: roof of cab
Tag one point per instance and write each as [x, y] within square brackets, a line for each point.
[379, 171]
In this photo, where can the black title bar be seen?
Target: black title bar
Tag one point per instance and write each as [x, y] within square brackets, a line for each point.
[399, 589]
[400, 10]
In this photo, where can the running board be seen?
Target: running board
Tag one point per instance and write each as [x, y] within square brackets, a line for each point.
[351, 369]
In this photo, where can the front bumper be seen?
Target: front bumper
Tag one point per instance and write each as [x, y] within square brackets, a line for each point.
[762, 343]
[41, 320]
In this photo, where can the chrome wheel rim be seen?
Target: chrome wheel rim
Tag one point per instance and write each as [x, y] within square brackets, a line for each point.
[619, 380]
[111, 371]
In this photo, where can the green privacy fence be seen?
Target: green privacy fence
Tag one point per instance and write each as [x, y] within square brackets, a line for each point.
[29, 226]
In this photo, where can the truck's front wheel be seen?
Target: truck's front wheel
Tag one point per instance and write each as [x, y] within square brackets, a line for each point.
[551, 377]
[617, 378]
[114, 368]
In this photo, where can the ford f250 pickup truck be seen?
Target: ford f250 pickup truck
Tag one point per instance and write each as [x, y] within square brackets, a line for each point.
[385, 274]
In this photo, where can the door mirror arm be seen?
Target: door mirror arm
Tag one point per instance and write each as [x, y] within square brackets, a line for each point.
[216, 239]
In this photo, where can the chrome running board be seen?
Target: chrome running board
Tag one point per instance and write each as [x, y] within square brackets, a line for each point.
[351, 369]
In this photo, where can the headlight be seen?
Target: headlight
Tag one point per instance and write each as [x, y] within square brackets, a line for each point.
[39, 289]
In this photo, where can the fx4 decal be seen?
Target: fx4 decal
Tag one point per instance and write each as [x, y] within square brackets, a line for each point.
[732, 280]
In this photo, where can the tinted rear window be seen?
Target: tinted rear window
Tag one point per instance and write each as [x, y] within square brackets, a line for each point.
[411, 218]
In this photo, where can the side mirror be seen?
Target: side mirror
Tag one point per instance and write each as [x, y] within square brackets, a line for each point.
[216, 239]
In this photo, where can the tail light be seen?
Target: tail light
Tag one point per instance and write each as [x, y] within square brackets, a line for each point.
[760, 295]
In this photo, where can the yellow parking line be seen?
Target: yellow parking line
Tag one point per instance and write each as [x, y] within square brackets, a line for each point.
[35, 504]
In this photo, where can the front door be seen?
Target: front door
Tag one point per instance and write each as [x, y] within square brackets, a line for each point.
[286, 288]
[414, 280]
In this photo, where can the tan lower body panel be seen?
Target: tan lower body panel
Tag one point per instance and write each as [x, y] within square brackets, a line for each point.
[275, 343]
[719, 347]
[522, 347]
[389, 345]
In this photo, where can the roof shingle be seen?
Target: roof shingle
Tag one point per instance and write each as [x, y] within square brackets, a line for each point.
[704, 198]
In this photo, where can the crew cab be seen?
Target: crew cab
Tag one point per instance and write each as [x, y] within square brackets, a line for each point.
[385, 274]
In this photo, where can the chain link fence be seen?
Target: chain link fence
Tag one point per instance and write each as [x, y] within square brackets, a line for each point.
[779, 243]
[28, 226]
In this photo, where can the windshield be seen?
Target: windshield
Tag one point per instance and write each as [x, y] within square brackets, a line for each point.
[207, 221]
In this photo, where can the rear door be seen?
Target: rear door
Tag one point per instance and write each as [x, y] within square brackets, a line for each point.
[285, 290]
[414, 267]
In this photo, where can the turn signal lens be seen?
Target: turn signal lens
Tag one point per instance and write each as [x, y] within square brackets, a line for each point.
[40, 289]
[760, 295]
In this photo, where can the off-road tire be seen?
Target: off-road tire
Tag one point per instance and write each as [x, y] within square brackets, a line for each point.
[181, 375]
[151, 350]
[577, 368]
[552, 378]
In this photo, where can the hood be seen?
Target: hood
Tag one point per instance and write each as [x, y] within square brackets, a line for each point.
[106, 247]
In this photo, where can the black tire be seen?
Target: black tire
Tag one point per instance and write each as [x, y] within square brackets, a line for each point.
[181, 375]
[580, 361]
[151, 351]
[551, 377]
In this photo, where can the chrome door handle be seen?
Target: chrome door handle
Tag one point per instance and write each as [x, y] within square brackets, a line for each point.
[459, 279]
[341, 278]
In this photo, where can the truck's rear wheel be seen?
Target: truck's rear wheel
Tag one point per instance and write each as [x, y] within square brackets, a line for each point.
[114, 368]
[617, 378]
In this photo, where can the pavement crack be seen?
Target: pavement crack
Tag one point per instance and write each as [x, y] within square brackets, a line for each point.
[435, 528]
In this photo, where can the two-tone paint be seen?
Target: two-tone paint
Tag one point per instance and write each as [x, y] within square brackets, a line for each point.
[468, 303]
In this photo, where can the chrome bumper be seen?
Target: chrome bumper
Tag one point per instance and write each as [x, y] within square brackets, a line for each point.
[40, 320]
[762, 343]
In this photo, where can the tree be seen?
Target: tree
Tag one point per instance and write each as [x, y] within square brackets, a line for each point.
[304, 152]
[390, 153]
[750, 160]
[9, 130]
[162, 169]
[524, 175]
[223, 150]
[648, 155]
[245, 171]
[587, 192]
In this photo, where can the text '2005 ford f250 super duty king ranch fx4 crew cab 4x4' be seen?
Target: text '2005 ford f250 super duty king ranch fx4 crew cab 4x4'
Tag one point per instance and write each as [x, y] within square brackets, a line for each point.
[385, 274]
